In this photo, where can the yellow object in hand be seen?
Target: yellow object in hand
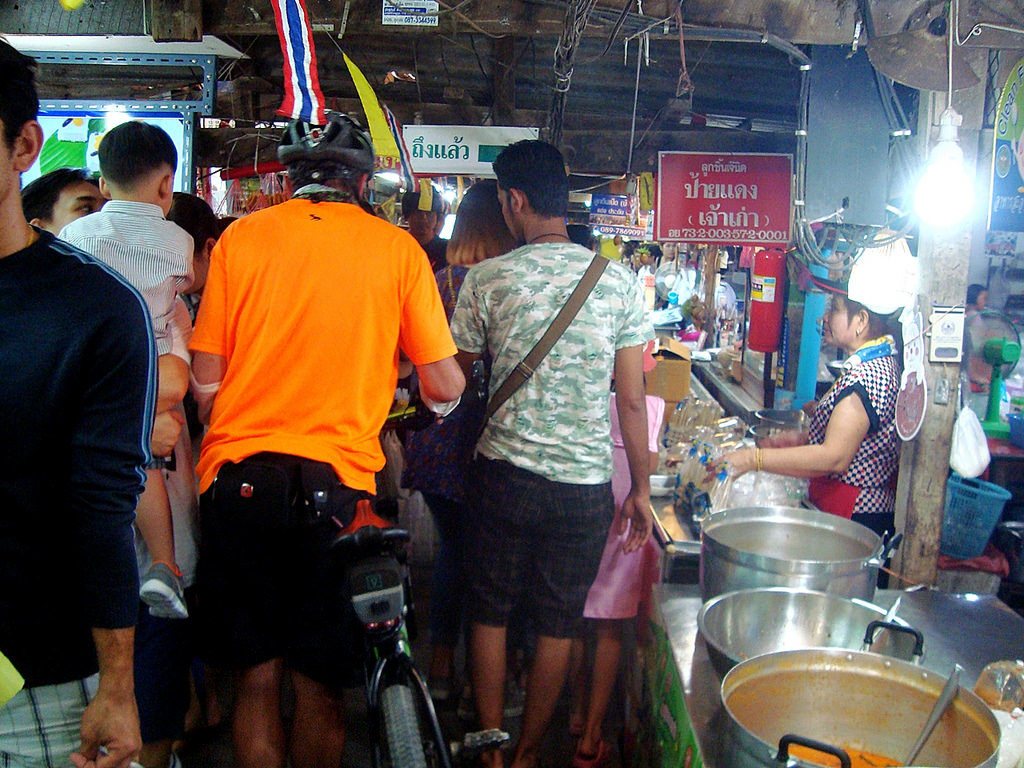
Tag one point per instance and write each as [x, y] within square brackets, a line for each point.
[71, 5]
[11, 680]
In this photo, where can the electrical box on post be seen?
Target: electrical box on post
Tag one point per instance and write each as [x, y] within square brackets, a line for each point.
[947, 325]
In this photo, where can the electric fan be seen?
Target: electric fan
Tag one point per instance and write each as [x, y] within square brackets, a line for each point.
[993, 353]
[675, 276]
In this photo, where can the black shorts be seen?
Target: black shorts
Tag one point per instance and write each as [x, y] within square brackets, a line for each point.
[268, 586]
[535, 543]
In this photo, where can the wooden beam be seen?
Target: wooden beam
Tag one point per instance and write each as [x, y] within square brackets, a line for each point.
[924, 462]
[176, 20]
[823, 22]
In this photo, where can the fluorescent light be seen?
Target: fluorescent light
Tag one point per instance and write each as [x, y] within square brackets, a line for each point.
[389, 176]
[449, 195]
[449, 225]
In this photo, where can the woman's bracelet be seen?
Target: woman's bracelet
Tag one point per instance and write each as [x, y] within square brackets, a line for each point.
[759, 458]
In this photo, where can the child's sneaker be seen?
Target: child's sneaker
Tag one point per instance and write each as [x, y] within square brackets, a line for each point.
[162, 591]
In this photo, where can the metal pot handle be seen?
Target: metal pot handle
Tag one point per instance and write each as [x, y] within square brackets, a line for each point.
[892, 626]
[885, 550]
[818, 746]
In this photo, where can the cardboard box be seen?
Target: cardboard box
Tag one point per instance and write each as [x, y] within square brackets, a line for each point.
[670, 378]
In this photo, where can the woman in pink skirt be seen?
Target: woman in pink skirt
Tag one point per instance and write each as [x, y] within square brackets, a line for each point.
[623, 580]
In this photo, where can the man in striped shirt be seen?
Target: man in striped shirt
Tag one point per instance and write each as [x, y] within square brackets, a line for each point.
[130, 234]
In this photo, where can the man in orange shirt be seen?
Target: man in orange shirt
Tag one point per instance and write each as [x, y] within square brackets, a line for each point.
[306, 308]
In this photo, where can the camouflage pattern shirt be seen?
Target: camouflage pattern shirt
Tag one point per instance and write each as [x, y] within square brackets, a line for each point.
[556, 424]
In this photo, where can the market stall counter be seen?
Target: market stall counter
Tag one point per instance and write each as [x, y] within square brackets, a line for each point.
[735, 399]
[685, 715]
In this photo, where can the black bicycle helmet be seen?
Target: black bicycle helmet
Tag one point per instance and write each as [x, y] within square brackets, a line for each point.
[342, 140]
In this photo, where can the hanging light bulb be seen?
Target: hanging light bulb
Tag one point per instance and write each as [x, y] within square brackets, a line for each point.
[945, 192]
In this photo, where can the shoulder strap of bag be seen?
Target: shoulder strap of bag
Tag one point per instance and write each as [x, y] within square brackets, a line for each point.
[524, 370]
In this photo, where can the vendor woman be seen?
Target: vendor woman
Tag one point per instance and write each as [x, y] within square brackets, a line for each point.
[851, 451]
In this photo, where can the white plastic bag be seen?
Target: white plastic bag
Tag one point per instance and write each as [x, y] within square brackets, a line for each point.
[968, 454]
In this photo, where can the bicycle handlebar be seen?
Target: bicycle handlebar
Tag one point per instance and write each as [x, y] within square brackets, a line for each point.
[370, 536]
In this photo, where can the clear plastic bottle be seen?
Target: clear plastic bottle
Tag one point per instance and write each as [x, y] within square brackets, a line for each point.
[1001, 685]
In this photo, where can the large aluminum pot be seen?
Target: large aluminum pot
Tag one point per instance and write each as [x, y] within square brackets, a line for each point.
[750, 622]
[750, 547]
[850, 701]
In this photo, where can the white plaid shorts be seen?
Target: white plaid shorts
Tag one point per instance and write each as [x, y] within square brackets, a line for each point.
[40, 727]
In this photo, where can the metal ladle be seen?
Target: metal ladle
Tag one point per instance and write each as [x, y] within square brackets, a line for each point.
[949, 693]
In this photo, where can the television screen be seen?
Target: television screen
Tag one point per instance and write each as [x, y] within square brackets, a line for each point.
[71, 140]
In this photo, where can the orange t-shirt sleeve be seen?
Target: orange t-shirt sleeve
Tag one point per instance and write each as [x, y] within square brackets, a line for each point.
[424, 334]
[211, 331]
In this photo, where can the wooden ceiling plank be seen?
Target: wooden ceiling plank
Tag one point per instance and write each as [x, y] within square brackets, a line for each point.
[176, 20]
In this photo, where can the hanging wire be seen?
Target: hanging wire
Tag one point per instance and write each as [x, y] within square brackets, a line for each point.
[577, 14]
[950, 34]
[636, 98]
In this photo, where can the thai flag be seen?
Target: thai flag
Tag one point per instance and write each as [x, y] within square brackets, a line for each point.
[403, 152]
[303, 99]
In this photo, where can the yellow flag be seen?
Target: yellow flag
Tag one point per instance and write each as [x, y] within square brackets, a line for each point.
[383, 142]
[426, 202]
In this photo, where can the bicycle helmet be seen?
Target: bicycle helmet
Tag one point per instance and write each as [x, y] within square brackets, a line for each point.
[342, 140]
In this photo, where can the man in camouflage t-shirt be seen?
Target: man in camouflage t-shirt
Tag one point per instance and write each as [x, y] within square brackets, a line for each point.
[540, 496]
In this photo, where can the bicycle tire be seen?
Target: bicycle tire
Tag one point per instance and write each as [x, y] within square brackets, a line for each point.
[402, 728]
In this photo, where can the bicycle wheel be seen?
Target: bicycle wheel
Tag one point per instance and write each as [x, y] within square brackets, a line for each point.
[402, 728]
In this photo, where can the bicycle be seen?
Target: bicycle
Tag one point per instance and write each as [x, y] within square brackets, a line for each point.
[404, 727]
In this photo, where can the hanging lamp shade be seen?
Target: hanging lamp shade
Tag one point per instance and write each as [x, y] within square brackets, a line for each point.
[917, 56]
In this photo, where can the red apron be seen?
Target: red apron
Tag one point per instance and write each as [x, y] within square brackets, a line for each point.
[833, 496]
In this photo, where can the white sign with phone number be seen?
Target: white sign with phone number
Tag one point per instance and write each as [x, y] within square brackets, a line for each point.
[409, 13]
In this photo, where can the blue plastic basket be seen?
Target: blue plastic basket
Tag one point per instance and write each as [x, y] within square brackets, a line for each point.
[973, 508]
[1016, 429]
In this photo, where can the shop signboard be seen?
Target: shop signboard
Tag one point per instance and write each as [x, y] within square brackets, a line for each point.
[1006, 209]
[460, 149]
[614, 215]
[725, 198]
[409, 13]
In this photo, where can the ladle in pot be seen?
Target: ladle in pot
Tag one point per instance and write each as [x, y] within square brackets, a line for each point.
[949, 692]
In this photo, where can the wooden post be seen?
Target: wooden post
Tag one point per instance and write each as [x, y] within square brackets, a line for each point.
[943, 256]
[176, 20]
[503, 81]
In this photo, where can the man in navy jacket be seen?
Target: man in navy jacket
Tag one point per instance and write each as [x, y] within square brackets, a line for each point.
[77, 396]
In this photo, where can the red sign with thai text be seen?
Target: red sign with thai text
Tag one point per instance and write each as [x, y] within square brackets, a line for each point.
[725, 198]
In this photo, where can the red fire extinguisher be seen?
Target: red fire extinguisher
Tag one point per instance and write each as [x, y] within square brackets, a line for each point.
[767, 293]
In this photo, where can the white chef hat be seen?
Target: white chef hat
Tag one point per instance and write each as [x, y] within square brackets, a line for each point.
[884, 279]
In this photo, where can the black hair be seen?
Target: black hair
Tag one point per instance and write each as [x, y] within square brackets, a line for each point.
[536, 169]
[39, 197]
[224, 222]
[974, 290]
[195, 216]
[581, 234]
[131, 151]
[411, 203]
[18, 100]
